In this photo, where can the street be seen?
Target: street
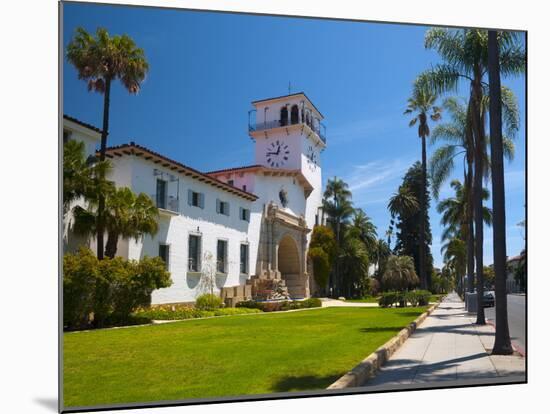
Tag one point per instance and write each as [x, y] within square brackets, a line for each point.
[516, 319]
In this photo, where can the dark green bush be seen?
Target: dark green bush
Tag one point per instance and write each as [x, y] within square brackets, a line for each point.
[208, 301]
[177, 312]
[311, 303]
[281, 305]
[423, 297]
[391, 298]
[412, 297]
[108, 289]
[251, 304]
[80, 273]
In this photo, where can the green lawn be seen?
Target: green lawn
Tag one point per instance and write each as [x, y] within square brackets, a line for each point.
[226, 356]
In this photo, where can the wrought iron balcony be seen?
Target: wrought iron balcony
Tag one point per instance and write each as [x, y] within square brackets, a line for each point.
[264, 126]
[171, 203]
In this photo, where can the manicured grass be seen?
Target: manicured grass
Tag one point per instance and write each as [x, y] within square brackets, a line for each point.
[229, 356]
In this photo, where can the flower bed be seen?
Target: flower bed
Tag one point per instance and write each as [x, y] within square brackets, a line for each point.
[177, 312]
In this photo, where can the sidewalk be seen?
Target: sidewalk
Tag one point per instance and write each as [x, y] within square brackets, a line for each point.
[448, 346]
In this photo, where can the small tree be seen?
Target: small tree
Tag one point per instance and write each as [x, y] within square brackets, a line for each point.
[207, 283]
[400, 274]
[322, 253]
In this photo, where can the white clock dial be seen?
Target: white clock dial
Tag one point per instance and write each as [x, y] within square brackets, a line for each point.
[311, 156]
[277, 154]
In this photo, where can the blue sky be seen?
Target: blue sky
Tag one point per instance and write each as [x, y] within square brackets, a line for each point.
[206, 68]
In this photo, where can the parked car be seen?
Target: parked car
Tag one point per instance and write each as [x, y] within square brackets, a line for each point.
[488, 299]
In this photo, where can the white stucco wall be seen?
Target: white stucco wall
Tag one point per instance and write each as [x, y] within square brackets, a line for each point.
[175, 228]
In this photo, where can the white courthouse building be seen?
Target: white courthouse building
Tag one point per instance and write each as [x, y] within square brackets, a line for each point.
[255, 220]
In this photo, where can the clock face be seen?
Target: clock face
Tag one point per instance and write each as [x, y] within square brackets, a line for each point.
[277, 154]
[311, 156]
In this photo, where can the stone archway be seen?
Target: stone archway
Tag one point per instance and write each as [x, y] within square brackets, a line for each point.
[289, 266]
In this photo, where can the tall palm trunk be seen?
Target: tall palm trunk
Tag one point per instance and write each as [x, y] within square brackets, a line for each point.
[503, 345]
[101, 200]
[479, 135]
[422, 239]
[111, 246]
[469, 187]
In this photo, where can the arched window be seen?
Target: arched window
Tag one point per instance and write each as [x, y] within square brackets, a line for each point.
[284, 116]
[294, 114]
[308, 121]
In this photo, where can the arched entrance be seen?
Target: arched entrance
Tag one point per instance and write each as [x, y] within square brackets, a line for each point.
[288, 260]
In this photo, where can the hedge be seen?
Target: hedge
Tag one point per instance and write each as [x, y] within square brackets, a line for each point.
[280, 305]
[98, 292]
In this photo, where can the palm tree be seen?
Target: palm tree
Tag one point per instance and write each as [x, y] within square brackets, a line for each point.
[364, 229]
[100, 60]
[454, 255]
[502, 345]
[79, 173]
[454, 217]
[422, 105]
[354, 260]
[403, 202]
[338, 206]
[400, 273]
[464, 54]
[457, 144]
[126, 216]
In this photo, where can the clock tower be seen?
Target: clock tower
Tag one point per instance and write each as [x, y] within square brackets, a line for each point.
[289, 136]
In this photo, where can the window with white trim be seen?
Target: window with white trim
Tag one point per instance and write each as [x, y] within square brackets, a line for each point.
[164, 254]
[194, 253]
[195, 199]
[222, 207]
[244, 214]
[221, 257]
[244, 259]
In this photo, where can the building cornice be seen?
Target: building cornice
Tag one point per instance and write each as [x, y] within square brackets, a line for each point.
[133, 149]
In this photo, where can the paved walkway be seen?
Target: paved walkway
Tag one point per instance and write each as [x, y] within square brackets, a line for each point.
[448, 346]
[331, 303]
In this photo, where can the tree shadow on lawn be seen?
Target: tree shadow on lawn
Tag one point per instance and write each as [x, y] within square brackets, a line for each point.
[379, 329]
[305, 382]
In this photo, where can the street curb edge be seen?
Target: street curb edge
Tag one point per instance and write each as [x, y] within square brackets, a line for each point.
[369, 366]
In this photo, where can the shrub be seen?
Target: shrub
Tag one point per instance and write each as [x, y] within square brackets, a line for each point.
[251, 304]
[80, 272]
[311, 303]
[389, 299]
[134, 287]
[208, 301]
[280, 305]
[110, 289]
[423, 297]
[178, 312]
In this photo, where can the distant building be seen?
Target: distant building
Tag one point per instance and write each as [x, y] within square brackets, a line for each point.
[513, 286]
[255, 220]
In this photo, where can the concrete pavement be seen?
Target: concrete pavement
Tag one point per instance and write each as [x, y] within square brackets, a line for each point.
[448, 346]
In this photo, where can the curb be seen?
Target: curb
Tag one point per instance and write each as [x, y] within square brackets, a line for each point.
[368, 367]
[515, 347]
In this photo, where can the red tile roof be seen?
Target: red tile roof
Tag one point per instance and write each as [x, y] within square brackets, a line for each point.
[81, 123]
[148, 154]
[233, 169]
